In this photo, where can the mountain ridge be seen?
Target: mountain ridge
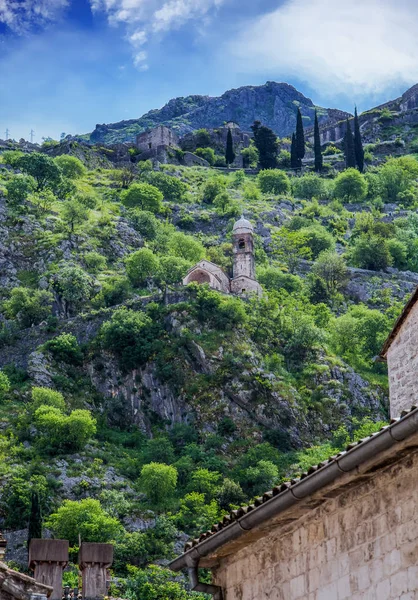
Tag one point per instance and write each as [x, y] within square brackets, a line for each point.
[273, 103]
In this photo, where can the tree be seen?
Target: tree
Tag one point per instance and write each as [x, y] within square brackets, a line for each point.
[35, 518]
[358, 144]
[43, 200]
[308, 186]
[72, 286]
[207, 154]
[294, 162]
[144, 222]
[259, 478]
[227, 206]
[349, 150]
[267, 145]
[18, 188]
[213, 187]
[290, 248]
[186, 247]
[47, 397]
[42, 168]
[319, 163]
[229, 152]
[159, 482]
[371, 252]
[141, 266]
[350, 186]
[144, 196]
[273, 181]
[300, 138]
[29, 307]
[85, 518]
[130, 335]
[331, 268]
[250, 156]
[60, 433]
[156, 583]
[71, 166]
[74, 213]
[171, 187]
[4, 385]
[205, 482]
[65, 348]
[317, 238]
[397, 176]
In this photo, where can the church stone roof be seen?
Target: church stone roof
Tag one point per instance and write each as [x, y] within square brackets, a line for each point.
[243, 226]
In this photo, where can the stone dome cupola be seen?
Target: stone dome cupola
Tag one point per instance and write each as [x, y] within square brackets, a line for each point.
[242, 226]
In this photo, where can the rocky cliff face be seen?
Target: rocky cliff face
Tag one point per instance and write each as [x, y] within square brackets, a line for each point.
[274, 104]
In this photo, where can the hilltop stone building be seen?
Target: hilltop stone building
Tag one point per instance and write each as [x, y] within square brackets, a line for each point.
[243, 280]
[156, 138]
[347, 529]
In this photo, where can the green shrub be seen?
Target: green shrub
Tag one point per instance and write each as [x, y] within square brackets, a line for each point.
[130, 335]
[94, 262]
[186, 247]
[47, 397]
[71, 167]
[171, 187]
[308, 186]
[317, 239]
[4, 385]
[144, 222]
[274, 279]
[159, 482]
[42, 168]
[19, 187]
[371, 252]
[59, 433]
[218, 311]
[207, 154]
[73, 286]
[226, 206]
[156, 583]
[273, 181]
[28, 307]
[115, 290]
[213, 187]
[141, 266]
[65, 348]
[85, 518]
[144, 196]
[350, 186]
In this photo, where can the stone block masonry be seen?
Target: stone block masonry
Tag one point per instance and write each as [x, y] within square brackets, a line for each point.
[361, 545]
[402, 360]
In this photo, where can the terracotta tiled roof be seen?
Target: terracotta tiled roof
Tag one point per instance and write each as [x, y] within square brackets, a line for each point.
[279, 489]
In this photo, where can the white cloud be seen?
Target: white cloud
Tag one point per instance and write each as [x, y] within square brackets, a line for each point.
[145, 18]
[21, 15]
[337, 46]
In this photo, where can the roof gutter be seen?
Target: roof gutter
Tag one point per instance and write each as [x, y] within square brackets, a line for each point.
[342, 464]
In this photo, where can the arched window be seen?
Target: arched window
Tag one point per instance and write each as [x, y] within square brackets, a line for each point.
[241, 244]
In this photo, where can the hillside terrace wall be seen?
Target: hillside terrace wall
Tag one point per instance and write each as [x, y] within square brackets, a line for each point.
[361, 545]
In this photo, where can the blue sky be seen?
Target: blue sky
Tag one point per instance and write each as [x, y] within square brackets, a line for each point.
[66, 65]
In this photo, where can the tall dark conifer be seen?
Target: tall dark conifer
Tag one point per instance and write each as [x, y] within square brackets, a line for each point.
[35, 518]
[294, 162]
[267, 145]
[358, 144]
[319, 163]
[300, 138]
[350, 155]
[229, 153]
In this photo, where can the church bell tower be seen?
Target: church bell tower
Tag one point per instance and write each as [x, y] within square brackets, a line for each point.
[243, 249]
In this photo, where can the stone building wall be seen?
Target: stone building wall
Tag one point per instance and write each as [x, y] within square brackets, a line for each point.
[361, 545]
[402, 360]
[154, 138]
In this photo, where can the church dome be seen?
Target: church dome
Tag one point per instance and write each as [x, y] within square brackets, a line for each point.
[243, 226]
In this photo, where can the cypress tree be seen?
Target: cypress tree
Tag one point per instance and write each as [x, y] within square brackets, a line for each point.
[358, 144]
[317, 146]
[350, 155]
[35, 518]
[267, 145]
[300, 138]
[294, 162]
[229, 153]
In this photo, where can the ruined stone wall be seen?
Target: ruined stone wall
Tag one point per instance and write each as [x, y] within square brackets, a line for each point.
[361, 545]
[403, 366]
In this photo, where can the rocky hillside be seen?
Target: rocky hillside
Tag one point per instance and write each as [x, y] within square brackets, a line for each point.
[273, 103]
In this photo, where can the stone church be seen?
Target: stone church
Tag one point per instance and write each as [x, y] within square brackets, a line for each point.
[243, 279]
[346, 529]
